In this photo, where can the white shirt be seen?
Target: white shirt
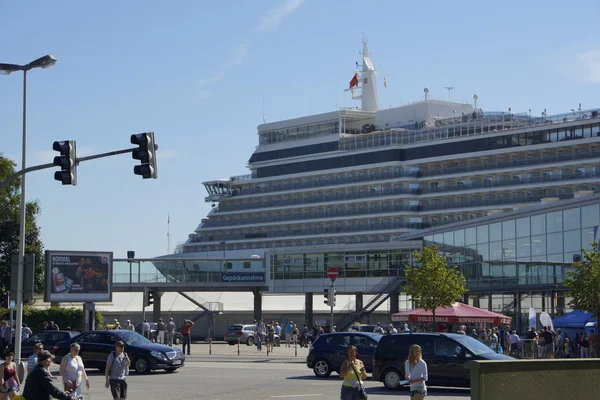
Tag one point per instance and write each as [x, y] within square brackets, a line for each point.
[419, 371]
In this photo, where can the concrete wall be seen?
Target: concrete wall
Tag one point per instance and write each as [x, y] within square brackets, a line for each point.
[559, 379]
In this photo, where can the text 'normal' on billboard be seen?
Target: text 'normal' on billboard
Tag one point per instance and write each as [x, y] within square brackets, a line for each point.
[78, 276]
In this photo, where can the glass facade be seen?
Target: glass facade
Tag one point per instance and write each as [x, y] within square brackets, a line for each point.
[534, 251]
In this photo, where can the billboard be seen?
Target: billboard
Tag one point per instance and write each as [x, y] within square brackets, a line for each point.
[78, 276]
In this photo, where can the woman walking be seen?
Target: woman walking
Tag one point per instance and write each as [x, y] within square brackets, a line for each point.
[353, 371]
[415, 370]
[72, 371]
[9, 377]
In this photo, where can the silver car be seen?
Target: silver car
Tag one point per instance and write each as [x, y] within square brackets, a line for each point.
[245, 334]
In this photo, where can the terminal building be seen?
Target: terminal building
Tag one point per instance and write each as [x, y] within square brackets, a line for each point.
[510, 198]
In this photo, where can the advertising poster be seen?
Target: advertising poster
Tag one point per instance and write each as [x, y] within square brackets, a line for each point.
[78, 276]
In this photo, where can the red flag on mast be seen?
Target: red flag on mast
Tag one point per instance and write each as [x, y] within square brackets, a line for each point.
[354, 81]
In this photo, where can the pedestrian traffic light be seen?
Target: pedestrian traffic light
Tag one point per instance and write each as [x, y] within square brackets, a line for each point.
[67, 161]
[326, 294]
[332, 294]
[146, 153]
[149, 298]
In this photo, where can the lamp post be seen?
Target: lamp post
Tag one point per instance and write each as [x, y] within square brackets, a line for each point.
[6, 69]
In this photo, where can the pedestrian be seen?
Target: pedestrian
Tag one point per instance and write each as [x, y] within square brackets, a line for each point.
[146, 329]
[72, 371]
[378, 329]
[25, 332]
[129, 326]
[593, 341]
[259, 333]
[170, 332]
[187, 335]
[10, 379]
[39, 386]
[278, 329]
[270, 336]
[353, 371]
[5, 335]
[333, 329]
[53, 327]
[415, 370]
[584, 344]
[160, 331]
[288, 333]
[117, 368]
[295, 334]
[32, 360]
[391, 329]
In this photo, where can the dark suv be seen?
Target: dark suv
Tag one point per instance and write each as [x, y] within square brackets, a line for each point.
[444, 353]
[330, 350]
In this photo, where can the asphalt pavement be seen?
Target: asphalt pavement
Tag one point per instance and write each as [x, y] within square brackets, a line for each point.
[250, 376]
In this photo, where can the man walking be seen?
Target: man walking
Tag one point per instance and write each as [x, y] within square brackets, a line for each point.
[117, 368]
[187, 335]
[129, 326]
[160, 331]
[259, 333]
[146, 329]
[593, 341]
[288, 333]
[170, 332]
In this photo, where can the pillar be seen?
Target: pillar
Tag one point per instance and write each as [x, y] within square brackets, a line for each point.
[156, 306]
[476, 301]
[359, 301]
[517, 309]
[489, 307]
[394, 302]
[466, 298]
[257, 304]
[560, 303]
[308, 309]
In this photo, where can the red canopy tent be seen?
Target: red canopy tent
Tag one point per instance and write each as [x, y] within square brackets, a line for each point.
[457, 313]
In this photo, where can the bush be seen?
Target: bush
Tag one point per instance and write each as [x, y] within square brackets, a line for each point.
[65, 318]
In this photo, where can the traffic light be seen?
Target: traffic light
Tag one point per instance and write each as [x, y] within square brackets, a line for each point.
[149, 298]
[67, 161]
[332, 293]
[326, 294]
[146, 153]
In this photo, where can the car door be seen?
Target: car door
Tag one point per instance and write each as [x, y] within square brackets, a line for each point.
[366, 347]
[448, 361]
[336, 349]
[95, 348]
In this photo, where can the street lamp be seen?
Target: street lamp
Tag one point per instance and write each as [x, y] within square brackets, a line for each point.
[6, 69]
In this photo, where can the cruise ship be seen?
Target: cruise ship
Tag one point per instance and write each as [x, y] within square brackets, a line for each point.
[367, 175]
[510, 198]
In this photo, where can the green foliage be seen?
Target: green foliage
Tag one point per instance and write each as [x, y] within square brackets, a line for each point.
[63, 317]
[584, 283]
[432, 284]
[10, 198]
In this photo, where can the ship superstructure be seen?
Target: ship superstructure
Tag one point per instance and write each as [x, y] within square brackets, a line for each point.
[362, 176]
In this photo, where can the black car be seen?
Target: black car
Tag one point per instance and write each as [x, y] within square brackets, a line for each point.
[47, 338]
[330, 350]
[444, 353]
[145, 356]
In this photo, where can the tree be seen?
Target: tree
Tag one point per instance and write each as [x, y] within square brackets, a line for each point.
[10, 198]
[584, 283]
[432, 284]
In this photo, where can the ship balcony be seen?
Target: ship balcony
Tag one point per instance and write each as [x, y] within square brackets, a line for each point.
[384, 174]
[333, 197]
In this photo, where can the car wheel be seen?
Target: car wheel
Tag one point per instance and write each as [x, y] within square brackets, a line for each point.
[142, 366]
[250, 341]
[170, 370]
[322, 368]
[177, 340]
[391, 379]
[277, 342]
[231, 343]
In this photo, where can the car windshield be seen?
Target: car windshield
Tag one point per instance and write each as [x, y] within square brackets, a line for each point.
[234, 328]
[473, 345]
[133, 338]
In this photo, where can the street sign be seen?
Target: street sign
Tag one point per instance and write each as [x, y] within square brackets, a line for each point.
[332, 273]
[12, 304]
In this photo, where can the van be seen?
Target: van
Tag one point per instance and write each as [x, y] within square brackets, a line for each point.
[444, 353]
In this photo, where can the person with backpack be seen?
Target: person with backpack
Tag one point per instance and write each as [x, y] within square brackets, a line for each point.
[117, 368]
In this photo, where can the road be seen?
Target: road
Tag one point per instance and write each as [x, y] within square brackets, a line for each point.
[250, 378]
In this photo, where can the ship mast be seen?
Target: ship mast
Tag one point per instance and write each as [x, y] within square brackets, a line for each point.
[366, 90]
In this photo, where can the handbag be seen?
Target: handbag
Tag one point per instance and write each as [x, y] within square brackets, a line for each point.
[361, 389]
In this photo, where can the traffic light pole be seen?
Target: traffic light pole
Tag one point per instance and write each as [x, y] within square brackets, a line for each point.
[331, 306]
[24, 171]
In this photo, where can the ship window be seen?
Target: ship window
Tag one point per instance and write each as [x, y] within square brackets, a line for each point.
[247, 264]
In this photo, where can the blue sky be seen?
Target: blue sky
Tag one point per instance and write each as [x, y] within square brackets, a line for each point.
[195, 73]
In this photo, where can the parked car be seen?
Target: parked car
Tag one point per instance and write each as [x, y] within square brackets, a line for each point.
[145, 356]
[177, 336]
[47, 338]
[444, 353]
[245, 333]
[330, 350]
